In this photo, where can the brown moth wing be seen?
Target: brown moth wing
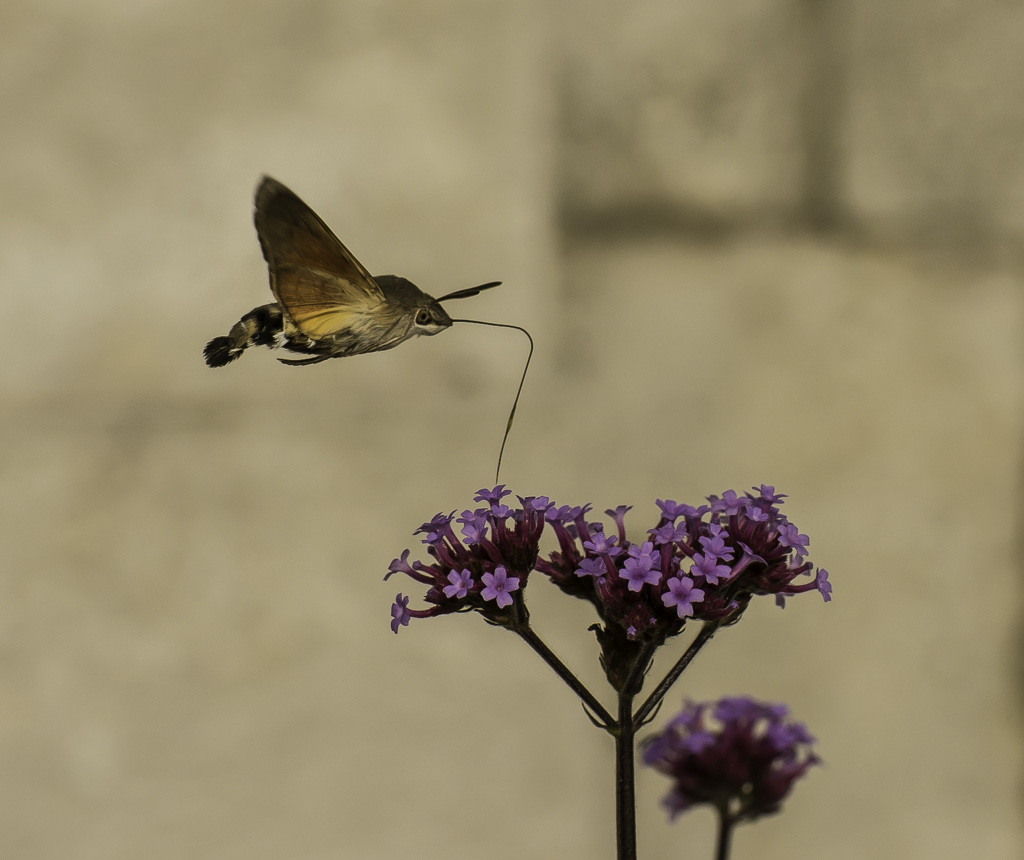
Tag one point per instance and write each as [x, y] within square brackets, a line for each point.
[320, 285]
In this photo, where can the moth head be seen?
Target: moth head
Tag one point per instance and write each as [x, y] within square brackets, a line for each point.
[408, 303]
[430, 318]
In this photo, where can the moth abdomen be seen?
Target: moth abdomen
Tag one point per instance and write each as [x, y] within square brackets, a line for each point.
[262, 326]
[219, 352]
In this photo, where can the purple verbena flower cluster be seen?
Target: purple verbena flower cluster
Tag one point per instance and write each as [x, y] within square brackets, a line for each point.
[703, 563]
[699, 562]
[740, 755]
[484, 568]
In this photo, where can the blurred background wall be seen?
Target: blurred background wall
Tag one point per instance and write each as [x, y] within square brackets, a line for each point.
[769, 241]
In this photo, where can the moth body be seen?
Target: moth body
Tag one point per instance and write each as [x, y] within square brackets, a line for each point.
[328, 305]
[270, 326]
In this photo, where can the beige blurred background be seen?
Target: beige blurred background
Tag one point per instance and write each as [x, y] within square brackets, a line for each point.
[774, 241]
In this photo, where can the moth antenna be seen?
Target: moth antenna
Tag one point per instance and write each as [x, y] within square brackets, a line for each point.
[472, 291]
[515, 403]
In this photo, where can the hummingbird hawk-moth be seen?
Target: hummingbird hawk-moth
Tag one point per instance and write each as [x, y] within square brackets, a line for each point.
[328, 305]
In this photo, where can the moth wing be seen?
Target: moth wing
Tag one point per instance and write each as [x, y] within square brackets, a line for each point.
[322, 287]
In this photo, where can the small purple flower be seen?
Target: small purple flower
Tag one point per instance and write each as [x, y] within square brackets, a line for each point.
[399, 612]
[672, 511]
[434, 530]
[707, 566]
[558, 515]
[501, 512]
[682, 595]
[645, 549]
[640, 567]
[475, 526]
[758, 515]
[789, 536]
[492, 497]
[769, 495]
[592, 567]
[823, 585]
[499, 586]
[598, 544]
[541, 503]
[460, 584]
[730, 504]
[669, 533]
[400, 565]
[715, 546]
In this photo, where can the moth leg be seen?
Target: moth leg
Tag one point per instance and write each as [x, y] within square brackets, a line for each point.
[299, 362]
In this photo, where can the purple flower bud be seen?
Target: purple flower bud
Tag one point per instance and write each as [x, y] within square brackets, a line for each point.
[399, 612]
[618, 514]
[499, 586]
[460, 584]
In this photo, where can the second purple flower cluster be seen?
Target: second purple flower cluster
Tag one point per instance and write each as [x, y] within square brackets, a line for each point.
[737, 754]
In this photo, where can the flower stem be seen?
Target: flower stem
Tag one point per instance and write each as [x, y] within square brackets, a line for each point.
[575, 684]
[625, 787]
[625, 757]
[653, 700]
[725, 825]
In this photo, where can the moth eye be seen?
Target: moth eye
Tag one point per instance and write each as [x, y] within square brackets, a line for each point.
[422, 318]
